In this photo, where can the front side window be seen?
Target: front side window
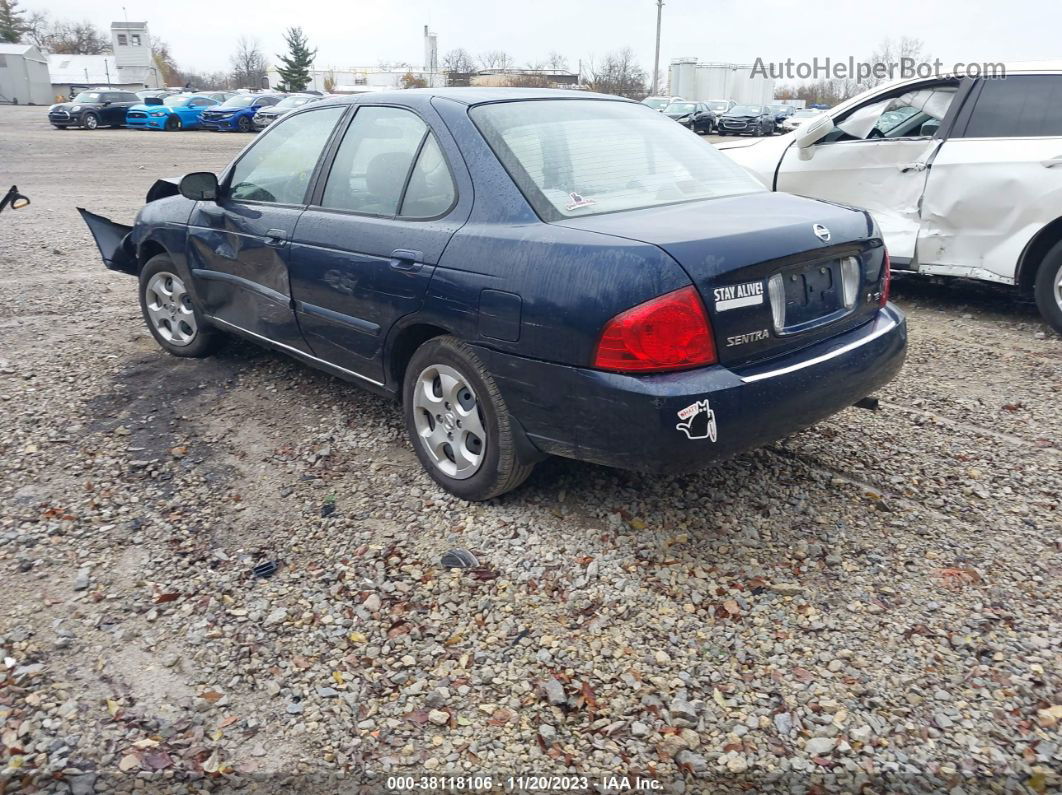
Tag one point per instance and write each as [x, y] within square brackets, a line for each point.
[279, 165]
[372, 163]
[1020, 106]
[579, 157]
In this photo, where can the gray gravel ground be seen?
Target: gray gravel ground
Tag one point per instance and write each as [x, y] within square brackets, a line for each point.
[872, 603]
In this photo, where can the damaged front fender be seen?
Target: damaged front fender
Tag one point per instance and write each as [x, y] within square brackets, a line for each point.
[114, 242]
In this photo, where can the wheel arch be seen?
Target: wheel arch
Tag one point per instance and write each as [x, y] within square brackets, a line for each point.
[403, 345]
[148, 249]
[1034, 252]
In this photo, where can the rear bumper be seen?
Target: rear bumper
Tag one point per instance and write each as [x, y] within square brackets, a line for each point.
[636, 423]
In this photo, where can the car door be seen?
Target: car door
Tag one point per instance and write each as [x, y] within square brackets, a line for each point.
[190, 113]
[365, 250]
[239, 245]
[114, 108]
[869, 161]
[996, 181]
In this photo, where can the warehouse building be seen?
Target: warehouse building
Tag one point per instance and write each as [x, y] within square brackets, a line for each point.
[24, 75]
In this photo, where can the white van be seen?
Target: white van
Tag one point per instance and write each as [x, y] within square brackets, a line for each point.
[964, 175]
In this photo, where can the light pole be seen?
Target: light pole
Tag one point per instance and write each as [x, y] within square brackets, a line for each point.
[656, 58]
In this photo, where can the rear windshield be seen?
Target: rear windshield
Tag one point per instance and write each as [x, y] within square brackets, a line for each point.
[241, 101]
[580, 157]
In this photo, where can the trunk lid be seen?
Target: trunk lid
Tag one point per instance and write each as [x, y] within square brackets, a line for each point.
[770, 284]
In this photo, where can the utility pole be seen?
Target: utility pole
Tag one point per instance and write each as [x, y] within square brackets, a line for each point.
[656, 58]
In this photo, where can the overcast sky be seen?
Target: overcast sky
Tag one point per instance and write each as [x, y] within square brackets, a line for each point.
[202, 33]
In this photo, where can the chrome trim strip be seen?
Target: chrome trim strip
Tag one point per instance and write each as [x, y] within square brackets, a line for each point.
[748, 379]
[294, 351]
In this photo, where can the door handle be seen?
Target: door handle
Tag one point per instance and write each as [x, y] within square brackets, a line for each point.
[403, 259]
[912, 167]
[1054, 161]
[276, 237]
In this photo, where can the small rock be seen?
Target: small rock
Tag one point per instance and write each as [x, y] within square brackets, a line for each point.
[786, 588]
[371, 603]
[276, 617]
[554, 692]
[688, 760]
[683, 713]
[547, 733]
[818, 746]
[81, 581]
[639, 729]
[438, 717]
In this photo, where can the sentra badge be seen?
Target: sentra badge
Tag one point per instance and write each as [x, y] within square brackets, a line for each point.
[738, 295]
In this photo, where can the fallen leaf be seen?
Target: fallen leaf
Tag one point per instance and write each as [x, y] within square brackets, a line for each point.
[356, 637]
[718, 698]
[803, 674]
[157, 760]
[113, 707]
[337, 677]
[147, 742]
[231, 719]
[129, 762]
[211, 695]
[162, 598]
[731, 607]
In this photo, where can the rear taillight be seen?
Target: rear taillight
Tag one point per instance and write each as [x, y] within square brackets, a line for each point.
[671, 332]
[886, 278]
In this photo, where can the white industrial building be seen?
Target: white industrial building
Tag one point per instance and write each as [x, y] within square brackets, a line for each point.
[24, 75]
[700, 82]
[131, 67]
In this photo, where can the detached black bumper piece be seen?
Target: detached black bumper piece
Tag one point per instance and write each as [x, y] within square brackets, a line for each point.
[113, 242]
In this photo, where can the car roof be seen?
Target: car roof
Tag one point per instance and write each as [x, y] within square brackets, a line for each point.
[472, 95]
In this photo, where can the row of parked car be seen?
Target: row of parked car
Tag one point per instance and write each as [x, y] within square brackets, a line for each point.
[168, 110]
[726, 117]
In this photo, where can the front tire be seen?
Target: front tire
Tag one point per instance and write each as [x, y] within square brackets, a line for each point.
[172, 317]
[458, 422]
[243, 124]
[173, 124]
[90, 121]
[1048, 288]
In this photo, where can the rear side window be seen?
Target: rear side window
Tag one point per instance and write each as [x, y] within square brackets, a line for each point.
[279, 165]
[1018, 107]
[373, 162]
[431, 190]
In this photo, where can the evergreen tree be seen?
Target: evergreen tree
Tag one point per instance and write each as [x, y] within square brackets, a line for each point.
[12, 25]
[294, 68]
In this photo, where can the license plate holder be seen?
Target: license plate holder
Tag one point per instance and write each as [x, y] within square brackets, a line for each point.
[812, 293]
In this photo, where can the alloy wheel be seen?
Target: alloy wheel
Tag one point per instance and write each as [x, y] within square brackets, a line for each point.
[170, 309]
[449, 422]
[90, 121]
[1058, 287]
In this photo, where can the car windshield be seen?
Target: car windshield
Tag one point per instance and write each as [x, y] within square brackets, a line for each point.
[746, 110]
[656, 103]
[176, 102]
[88, 96]
[241, 101]
[718, 107]
[681, 107]
[572, 158]
[292, 102]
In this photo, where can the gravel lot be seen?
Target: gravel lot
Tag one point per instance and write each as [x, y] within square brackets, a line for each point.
[871, 603]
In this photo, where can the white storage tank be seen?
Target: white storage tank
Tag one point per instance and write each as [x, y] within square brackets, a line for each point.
[701, 82]
[682, 77]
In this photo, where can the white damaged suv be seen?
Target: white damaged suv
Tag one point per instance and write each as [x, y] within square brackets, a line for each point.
[963, 175]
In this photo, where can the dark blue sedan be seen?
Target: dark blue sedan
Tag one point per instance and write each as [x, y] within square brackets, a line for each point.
[530, 273]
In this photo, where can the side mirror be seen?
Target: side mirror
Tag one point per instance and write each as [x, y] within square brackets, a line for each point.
[200, 186]
[812, 131]
[105, 103]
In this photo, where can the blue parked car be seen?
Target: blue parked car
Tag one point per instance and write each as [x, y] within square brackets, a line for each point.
[176, 112]
[530, 273]
[237, 113]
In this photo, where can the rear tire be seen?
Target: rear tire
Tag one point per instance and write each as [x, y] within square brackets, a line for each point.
[172, 317]
[1048, 288]
[448, 399]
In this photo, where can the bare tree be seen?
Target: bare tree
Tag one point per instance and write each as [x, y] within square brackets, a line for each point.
[893, 56]
[65, 37]
[248, 63]
[556, 62]
[496, 59]
[164, 61]
[459, 61]
[618, 73]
